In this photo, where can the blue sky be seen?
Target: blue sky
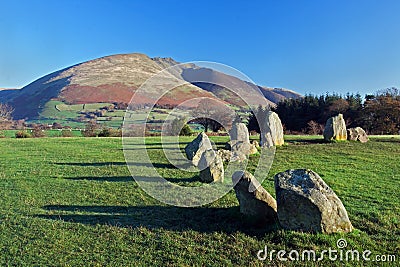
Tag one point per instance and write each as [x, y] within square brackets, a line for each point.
[307, 46]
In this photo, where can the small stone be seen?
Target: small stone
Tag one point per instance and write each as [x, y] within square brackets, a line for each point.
[253, 148]
[255, 143]
[357, 134]
[224, 154]
[240, 151]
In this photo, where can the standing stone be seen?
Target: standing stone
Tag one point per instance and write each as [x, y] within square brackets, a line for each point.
[240, 143]
[253, 199]
[271, 131]
[335, 128]
[239, 133]
[195, 149]
[211, 167]
[357, 134]
[306, 203]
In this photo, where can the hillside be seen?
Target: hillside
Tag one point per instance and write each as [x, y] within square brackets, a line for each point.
[104, 80]
[114, 79]
[218, 83]
[7, 93]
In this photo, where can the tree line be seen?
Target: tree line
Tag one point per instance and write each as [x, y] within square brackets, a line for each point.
[377, 114]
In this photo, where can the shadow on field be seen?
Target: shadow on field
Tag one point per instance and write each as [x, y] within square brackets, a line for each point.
[130, 179]
[149, 148]
[159, 146]
[93, 164]
[184, 180]
[102, 179]
[306, 141]
[201, 219]
[160, 165]
[105, 164]
[387, 140]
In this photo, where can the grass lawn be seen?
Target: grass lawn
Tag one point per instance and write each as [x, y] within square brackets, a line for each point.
[72, 202]
[48, 133]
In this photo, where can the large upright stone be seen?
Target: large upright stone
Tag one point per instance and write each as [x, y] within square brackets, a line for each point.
[211, 167]
[357, 134]
[240, 143]
[335, 128]
[306, 203]
[195, 149]
[254, 200]
[271, 131]
[239, 133]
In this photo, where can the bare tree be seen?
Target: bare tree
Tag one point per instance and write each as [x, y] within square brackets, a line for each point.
[5, 112]
[314, 128]
[91, 129]
[6, 119]
[212, 114]
[339, 106]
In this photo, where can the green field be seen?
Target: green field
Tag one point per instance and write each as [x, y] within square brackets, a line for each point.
[48, 133]
[70, 115]
[72, 202]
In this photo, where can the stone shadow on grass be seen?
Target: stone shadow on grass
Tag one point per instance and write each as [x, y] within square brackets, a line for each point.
[160, 165]
[104, 164]
[184, 180]
[387, 140]
[306, 141]
[201, 219]
[149, 148]
[92, 164]
[102, 179]
[129, 179]
[160, 146]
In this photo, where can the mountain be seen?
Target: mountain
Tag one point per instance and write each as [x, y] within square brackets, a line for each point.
[218, 83]
[7, 93]
[114, 79]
